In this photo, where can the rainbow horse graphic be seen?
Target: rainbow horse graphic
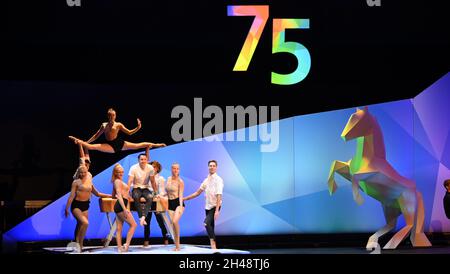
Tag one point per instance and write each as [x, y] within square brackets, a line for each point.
[369, 171]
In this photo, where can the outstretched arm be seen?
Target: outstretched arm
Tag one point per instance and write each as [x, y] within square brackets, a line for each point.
[130, 132]
[99, 194]
[97, 134]
[193, 195]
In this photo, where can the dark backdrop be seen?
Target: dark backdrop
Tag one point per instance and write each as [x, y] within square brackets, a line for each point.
[62, 67]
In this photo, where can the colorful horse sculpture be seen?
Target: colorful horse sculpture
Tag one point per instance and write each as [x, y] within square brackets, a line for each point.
[369, 171]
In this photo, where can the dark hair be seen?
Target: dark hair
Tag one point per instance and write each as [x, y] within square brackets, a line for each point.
[142, 154]
[446, 183]
[158, 165]
[212, 161]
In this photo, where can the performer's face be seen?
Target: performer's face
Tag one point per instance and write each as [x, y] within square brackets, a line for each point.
[142, 160]
[212, 168]
[83, 172]
[112, 116]
[155, 166]
[175, 170]
[119, 173]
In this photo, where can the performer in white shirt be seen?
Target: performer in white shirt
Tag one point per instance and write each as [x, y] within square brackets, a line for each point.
[213, 187]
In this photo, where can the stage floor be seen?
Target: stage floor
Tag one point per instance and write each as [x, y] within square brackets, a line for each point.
[199, 249]
[353, 250]
[154, 249]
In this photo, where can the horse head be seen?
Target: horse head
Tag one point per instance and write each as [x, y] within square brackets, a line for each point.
[359, 124]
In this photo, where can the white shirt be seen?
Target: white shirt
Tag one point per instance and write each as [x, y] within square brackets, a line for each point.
[160, 184]
[212, 185]
[141, 177]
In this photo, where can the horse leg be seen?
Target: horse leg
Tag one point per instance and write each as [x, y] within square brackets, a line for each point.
[342, 168]
[391, 214]
[408, 203]
[418, 238]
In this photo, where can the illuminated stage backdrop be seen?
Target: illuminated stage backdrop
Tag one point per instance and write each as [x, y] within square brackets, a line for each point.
[286, 191]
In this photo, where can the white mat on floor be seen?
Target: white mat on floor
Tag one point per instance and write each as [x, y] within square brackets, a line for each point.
[154, 249]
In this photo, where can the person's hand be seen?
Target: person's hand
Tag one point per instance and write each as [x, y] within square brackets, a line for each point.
[216, 215]
[66, 213]
[139, 123]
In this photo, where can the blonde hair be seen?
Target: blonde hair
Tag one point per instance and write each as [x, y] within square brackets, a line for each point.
[115, 169]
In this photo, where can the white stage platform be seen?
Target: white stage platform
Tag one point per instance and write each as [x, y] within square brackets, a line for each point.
[154, 249]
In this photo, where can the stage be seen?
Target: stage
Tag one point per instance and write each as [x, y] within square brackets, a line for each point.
[154, 249]
[205, 250]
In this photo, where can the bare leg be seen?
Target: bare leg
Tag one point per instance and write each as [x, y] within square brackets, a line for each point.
[99, 147]
[119, 221]
[83, 222]
[132, 223]
[134, 146]
[176, 226]
[213, 244]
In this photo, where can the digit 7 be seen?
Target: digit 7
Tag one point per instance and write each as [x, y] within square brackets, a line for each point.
[261, 14]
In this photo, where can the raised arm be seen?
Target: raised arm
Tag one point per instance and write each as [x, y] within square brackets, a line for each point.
[73, 191]
[97, 134]
[130, 132]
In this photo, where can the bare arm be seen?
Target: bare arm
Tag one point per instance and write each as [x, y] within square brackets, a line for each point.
[181, 192]
[130, 132]
[73, 191]
[97, 134]
[194, 195]
[219, 204]
[153, 182]
[99, 194]
[130, 180]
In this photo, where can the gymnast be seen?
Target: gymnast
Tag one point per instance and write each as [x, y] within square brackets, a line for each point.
[120, 191]
[174, 190]
[114, 143]
[79, 200]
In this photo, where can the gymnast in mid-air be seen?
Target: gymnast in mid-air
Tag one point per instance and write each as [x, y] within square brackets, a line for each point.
[114, 143]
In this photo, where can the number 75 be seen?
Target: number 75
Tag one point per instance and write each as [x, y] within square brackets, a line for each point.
[261, 14]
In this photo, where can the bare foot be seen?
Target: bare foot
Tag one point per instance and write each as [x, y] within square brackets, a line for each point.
[75, 140]
[125, 248]
[142, 221]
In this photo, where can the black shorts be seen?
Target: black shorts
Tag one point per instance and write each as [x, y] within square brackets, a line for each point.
[116, 144]
[118, 208]
[174, 203]
[81, 205]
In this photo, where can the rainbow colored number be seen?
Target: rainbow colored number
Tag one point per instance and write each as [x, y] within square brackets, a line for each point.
[297, 49]
[261, 14]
